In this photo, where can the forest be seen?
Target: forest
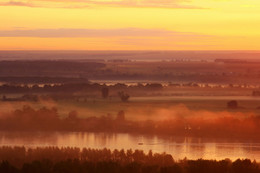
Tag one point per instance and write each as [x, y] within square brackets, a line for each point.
[74, 160]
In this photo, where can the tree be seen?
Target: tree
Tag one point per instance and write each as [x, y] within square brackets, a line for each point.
[232, 104]
[105, 92]
[4, 98]
[124, 96]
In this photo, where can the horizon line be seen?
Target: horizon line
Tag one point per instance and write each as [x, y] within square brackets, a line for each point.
[9, 50]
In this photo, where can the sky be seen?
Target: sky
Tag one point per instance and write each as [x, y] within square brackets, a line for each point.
[129, 25]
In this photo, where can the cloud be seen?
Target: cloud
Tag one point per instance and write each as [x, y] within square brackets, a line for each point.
[121, 32]
[17, 3]
[177, 4]
[146, 4]
[42, 4]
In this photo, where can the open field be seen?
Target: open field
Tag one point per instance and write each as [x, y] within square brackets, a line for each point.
[173, 70]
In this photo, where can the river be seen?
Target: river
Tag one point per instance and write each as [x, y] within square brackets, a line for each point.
[179, 147]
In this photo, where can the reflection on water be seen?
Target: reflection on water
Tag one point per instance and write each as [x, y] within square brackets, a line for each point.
[192, 148]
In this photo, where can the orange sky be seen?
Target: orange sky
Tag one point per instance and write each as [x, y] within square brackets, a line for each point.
[130, 24]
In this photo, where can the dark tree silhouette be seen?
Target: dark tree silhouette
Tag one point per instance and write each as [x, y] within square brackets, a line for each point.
[123, 96]
[105, 92]
[232, 104]
[4, 98]
[74, 160]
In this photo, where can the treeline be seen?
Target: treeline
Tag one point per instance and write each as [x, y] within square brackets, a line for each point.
[72, 87]
[44, 119]
[74, 160]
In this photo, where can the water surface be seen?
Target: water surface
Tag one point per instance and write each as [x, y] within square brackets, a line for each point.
[179, 147]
